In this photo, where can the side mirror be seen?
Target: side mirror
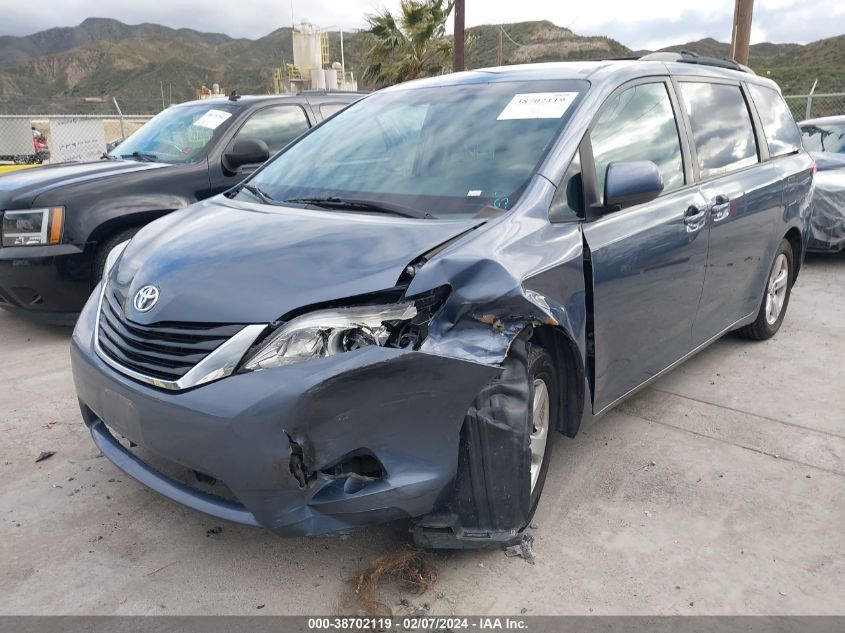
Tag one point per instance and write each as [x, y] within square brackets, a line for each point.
[247, 151]
[627, 183]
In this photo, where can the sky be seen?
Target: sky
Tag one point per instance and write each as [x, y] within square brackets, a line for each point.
[636, 23]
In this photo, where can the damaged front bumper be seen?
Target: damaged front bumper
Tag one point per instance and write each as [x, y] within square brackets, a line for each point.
[311, 448]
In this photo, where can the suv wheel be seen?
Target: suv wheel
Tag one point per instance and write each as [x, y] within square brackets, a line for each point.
[104, 249]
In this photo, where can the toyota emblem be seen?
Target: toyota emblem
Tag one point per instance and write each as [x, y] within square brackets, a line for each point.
[146, 298]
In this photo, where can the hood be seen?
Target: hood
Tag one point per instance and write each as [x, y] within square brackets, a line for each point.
[19, 189]
[224, 262]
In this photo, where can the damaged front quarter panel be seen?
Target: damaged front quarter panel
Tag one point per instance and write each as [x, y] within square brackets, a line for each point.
[502, 285]
[353, 463]
[502, 292]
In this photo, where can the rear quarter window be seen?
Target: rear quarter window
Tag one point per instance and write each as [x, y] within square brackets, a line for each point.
[782, 135]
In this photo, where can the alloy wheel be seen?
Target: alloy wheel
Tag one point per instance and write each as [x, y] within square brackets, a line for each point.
[540, 429]
[776, 290]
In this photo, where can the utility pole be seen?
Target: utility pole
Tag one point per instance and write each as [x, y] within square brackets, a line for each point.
[741, 34]
[500, 49]
[161, 83]
[458, 57]
[342, 63]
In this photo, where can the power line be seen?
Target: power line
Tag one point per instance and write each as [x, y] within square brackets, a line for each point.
[509, 37]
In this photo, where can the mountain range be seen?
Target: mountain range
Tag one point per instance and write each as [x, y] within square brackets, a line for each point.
[78, 69]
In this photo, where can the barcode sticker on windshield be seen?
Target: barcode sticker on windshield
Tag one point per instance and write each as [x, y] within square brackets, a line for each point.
[537, 105]
[212, 119]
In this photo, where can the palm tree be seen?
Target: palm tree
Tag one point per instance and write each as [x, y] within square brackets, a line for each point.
[410, 45]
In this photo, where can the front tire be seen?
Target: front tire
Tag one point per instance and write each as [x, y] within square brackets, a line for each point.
[775, 296]
[104, 249]
[544, 414]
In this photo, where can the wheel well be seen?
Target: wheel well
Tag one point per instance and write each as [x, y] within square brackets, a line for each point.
[794, 237]
[120, 223]
[570, 369]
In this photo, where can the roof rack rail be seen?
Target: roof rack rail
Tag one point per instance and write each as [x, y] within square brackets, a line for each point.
[691, 57]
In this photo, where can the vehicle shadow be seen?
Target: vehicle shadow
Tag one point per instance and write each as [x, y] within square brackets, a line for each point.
[14, 326]
[825, 259]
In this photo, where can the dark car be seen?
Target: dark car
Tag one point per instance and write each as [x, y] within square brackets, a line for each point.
[60, 221]
[395, 316]
[825, 140]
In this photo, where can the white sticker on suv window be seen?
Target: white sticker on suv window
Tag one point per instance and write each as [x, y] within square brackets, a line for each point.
[212, 119]
[537, 105]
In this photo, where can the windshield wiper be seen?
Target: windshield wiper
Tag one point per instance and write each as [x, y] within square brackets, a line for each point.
[334, 202]
[141, 157]
[264, 197]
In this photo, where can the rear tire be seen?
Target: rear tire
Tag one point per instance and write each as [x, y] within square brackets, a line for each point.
[104, 249]
[775, 296]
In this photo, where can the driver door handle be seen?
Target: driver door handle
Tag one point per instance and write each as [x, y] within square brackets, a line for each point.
[695, 218]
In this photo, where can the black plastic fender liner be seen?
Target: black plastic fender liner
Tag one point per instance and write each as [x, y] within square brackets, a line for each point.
[492, 498]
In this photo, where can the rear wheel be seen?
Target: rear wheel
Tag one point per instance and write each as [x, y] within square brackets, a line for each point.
[775, 297]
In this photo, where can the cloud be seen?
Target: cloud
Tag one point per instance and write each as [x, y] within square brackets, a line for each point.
[651, 24]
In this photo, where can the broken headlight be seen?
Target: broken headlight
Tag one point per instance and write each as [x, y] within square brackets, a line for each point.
[329, 332]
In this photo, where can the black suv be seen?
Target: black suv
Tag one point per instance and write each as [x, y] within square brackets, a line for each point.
[60, 221]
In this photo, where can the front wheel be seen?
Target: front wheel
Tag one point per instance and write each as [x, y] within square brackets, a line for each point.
[505, 448]
[103, 250]
[544, 403]
[775, 297]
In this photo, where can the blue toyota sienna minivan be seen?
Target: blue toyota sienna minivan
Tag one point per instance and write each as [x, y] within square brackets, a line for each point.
[397, 315]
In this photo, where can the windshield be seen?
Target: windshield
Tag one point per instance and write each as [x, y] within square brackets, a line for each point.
[446, 150]
[176, 135]
[824, 137]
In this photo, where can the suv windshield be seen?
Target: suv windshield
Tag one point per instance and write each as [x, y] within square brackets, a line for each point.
[824, 137]
[445, 150]
[176, 135]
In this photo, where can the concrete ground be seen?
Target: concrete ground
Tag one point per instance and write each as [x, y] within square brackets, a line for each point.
[719, 490]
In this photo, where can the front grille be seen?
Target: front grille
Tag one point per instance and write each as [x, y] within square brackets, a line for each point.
[166, 351]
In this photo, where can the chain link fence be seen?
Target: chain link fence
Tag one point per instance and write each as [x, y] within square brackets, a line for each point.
[811, 106]
[35, 139]
[38, 139]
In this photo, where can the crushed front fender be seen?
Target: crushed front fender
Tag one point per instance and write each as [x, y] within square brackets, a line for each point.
[400, 410]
